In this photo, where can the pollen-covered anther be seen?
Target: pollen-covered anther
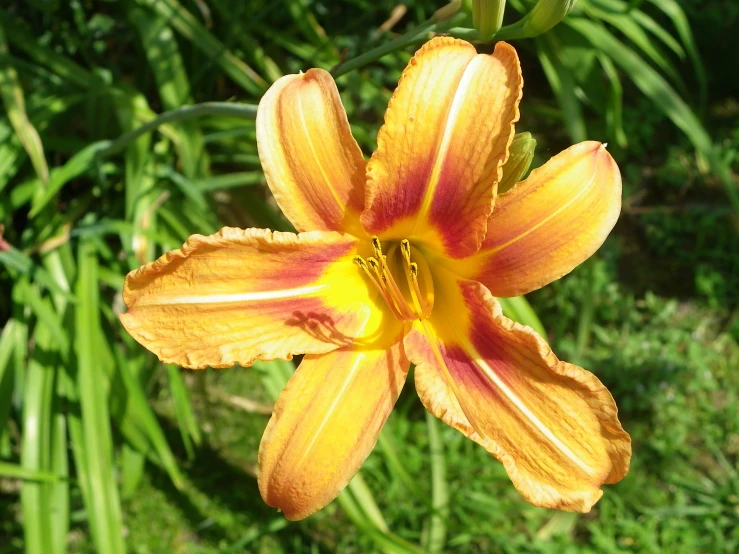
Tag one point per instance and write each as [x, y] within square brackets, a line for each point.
[386, 286]
[422, 302]
[405, 299]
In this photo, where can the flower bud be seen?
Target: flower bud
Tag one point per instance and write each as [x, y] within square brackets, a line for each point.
[487, 16]
[447, 11]
[520, 156]
[543, 16]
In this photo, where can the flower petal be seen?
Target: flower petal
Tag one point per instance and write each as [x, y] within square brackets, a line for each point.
[550, 223]
[325, 424]
[313, 165]
[553, 425]
[445, 138]
[237, 296]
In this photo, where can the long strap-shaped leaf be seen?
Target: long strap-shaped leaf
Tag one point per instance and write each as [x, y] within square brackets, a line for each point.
[103, 505]
[661, 93]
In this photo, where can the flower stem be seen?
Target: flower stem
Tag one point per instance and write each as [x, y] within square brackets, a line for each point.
[227, 109]
[417, 34]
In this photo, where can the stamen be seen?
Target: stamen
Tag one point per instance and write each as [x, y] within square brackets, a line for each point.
[394, 291]
[398, 306]
[358, 260]
[377, 247]
[378, 270]
[422, 308]
[405, 249]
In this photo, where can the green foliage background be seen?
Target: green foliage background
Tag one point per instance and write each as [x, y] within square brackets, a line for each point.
[102, 449]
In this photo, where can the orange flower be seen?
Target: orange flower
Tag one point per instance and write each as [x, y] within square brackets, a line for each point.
[399, 260]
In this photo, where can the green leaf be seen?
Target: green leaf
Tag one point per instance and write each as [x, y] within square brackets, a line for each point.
[629, 26]
[563, 86]
[439, 489]
[15, 471]
[15, 106]
[189, 27]
[35, 452]
[78, 164]
[103, 505]
[673, 10]
[518, 309]
[654, 86]
[162, 52]
[61, 65]
[7, 344]
[140, 412]
[183, 410]
[59, 465]
[614, 112]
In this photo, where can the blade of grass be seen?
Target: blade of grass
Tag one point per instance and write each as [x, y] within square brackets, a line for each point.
[78, 164]
[628, 25]
[59, 465]
[366, 502]
[614, 118]
[416, 35]
[587, 311]
[225, 109]
[661, 93]
[15, 471]
[189, 429]
[144, 416]
[35, 455]
[133, 463]
[439, 490]
[563, 86]
[138, 181]
[20, 315]
[44, 311]
[386, 442]
[230, 180]
[103, 510]
[41, 111]
[15, 106]
[518, 309]
[162, 52]
[672, 9]
[189, 27]
[7, 344]
[17, 35]
[18, 261]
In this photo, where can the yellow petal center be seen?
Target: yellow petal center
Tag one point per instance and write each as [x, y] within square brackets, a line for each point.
[402, 277]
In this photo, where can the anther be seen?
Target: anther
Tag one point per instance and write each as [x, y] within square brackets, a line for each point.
[377, 248]
[405, 249]
[421, 306]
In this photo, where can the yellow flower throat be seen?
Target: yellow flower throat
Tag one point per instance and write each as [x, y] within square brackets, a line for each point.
[408, 298]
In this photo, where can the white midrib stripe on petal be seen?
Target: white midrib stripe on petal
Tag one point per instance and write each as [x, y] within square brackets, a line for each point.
[460, 97]
[478, 360]
[554, 213]
[235, 297]
[330, 412]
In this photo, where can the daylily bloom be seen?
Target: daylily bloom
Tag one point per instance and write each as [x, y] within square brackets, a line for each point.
[399, 260]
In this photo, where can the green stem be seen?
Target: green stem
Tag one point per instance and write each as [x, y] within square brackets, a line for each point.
[439, 489]
[418, 34]
[226, 109]
[468, 34]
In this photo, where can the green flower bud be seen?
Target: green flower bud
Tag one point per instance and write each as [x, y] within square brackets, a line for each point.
[544, 15]
[487, 16]
[520, 156]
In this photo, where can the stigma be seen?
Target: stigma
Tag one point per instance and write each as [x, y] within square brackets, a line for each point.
[402, 278]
